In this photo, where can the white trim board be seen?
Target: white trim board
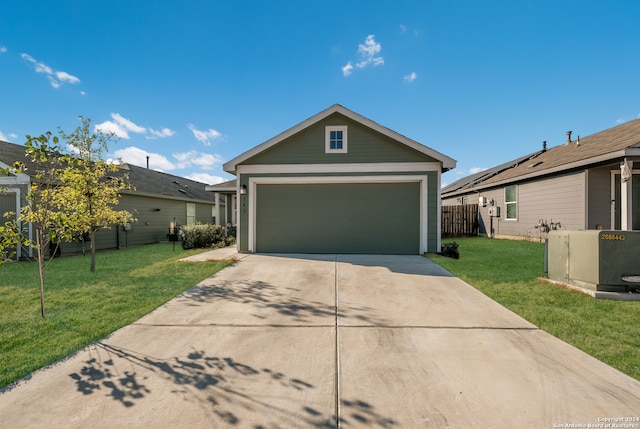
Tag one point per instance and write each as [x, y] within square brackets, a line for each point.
[343, 168]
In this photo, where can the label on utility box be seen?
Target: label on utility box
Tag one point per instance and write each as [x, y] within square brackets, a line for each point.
[612, 237]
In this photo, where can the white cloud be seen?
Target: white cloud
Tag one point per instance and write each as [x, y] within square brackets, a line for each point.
[83, 93]
[206, 136]
[208, 160]
[3, 49]
[54, 83]
[205, 161]
[56, 78]
[410, 77]
[206, 178]
[403, 28]
[137, 156]
[8, 137]
[127, 124]
[370, 47]
[38, 67]
[120, 126]
[163, 132]
[66, 77]
[367, 54]
[474, 170]
[348, 69]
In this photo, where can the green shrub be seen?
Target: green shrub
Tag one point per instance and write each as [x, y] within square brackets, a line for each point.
[203, 236]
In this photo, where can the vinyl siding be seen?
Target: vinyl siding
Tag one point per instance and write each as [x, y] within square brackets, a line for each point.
[152, 225]
[599, 198]
[558, 199]
[7, 204]
[581, 200]
[364, 145]
[433, 222]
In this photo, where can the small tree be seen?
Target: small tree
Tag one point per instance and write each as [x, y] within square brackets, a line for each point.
[44, 200]
[91, 188]
[69, 194]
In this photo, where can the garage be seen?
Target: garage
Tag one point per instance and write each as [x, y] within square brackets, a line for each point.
[338, 182]
[376, 218]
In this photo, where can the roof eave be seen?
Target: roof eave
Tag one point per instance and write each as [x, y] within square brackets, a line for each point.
[221, 189]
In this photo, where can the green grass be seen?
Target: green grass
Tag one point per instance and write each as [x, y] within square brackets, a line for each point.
[507, 272]
[82, 307]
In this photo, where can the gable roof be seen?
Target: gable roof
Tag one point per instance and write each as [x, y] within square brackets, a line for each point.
[447, 163]
[146, 182]
[228, 187]
[473, 179]
[605, 146]
[156, 183]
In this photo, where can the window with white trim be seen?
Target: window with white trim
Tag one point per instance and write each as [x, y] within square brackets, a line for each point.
[335, 139]
[191, 213]
[511, 202]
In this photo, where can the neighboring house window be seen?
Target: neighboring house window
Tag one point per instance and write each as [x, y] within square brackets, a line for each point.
[191, 213]
[336, 139]
[511, 202]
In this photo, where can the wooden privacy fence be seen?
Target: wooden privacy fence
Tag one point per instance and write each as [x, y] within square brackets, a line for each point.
[460, 221]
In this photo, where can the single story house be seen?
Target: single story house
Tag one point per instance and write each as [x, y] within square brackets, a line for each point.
[339, 183]
[585, 183]
[157, 200]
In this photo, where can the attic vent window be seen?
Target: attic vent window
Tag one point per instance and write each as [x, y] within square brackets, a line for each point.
[535, 164]
[335, 139]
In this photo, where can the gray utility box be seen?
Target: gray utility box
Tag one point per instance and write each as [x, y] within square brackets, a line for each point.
[597, 260]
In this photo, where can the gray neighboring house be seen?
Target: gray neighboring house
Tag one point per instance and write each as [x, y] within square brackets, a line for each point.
[339, 183]
[586, 183]
[157, 200]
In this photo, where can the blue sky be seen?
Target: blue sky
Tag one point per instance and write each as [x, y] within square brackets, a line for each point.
[193, 84]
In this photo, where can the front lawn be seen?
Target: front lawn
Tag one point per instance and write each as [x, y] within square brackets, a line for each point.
[507, 272]
[82, 307]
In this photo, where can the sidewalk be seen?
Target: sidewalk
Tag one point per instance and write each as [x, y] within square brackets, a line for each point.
[229, 252]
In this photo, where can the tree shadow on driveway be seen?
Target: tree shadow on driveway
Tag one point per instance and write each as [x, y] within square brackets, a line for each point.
[263, 298]
[221, 385]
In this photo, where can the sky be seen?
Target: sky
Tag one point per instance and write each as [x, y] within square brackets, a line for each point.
[193, 84]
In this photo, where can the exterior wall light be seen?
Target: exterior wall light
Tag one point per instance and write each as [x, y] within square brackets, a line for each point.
[243, 190]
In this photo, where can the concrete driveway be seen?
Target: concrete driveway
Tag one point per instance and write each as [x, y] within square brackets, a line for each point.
[348, 341]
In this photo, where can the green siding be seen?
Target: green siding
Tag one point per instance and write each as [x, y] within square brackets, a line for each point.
[151, 226]
[364, 146]
[7, 204]
[433, 200]
[379, 218]
[204, 213]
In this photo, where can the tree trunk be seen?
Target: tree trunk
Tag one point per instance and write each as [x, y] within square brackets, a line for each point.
[40, 242]
[93, 250]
